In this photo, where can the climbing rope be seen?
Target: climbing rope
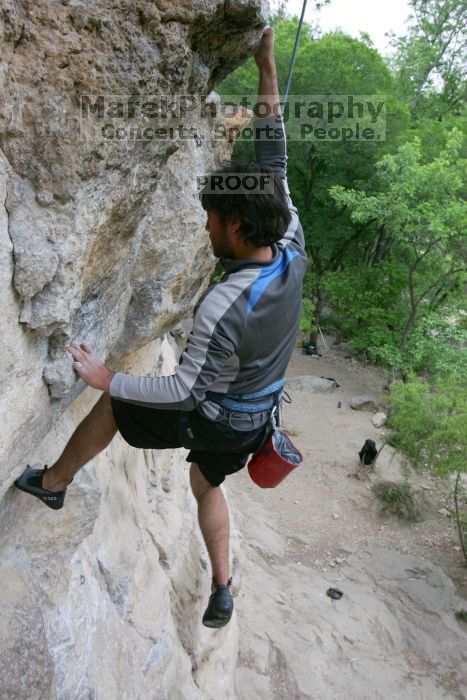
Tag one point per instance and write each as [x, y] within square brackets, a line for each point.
[294, 54]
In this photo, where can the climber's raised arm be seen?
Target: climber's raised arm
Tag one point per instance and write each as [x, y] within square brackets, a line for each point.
[268, 91]
[270, 139]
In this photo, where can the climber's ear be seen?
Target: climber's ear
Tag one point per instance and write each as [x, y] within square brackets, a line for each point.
[235, 227]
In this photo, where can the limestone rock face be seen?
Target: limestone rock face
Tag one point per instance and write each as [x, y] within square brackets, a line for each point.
[102, 239]
[104, 597]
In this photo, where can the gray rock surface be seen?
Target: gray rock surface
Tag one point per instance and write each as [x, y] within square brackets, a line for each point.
[311, 384]
[361, 647]
[379, 419]
[102, 238]
[390, 465]
[104, 598]
[393, 634]
[365, 403]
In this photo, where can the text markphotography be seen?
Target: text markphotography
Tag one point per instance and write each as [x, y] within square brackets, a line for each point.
[320, 117]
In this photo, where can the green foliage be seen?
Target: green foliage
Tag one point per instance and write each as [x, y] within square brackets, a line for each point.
[461, 615]
[217, 273]
[307, 321]
[433, 134]
[371, 309]
[430, 60]
[361, 297]
[398, 499]
[415, 268]
[307, 325]
[428, 423]
[436, 347]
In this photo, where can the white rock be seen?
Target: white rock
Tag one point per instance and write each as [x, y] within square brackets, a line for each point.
[379, 419]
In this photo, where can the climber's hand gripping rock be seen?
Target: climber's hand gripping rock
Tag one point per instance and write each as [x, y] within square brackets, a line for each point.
[90, 367]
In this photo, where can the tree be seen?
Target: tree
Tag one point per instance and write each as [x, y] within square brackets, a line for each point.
[416, 265]
[430, 60]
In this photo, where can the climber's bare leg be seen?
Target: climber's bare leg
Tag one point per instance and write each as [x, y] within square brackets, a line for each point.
[213, 516]
[91, 436]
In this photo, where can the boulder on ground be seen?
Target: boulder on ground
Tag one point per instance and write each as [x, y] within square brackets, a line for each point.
[309, 383]
[390, 465]
[365, 403]
[323, 346]
[379, 419]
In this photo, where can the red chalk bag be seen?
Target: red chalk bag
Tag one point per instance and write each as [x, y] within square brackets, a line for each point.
[277, 456]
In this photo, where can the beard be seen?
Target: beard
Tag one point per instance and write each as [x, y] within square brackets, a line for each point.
[221, 248]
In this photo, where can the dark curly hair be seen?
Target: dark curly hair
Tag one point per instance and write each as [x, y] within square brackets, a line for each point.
[265, 215]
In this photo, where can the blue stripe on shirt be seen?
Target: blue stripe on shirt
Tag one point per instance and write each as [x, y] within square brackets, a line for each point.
[268, 275]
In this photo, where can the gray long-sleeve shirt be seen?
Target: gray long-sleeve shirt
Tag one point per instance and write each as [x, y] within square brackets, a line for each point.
[244, 326]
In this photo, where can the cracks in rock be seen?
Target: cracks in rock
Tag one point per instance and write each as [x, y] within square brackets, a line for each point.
[117, 594]
[19, 40]
[163, 558]
[8, 229]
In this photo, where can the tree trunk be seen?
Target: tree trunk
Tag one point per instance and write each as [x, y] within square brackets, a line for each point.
[319, 304]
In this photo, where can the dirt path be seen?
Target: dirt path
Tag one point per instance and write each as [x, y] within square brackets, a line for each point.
[394, 633]
[328, 510]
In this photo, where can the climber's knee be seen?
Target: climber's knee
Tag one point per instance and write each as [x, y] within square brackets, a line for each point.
[199, 484]
[103, 410]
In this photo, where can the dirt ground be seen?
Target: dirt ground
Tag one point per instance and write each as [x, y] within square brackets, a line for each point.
[327, 513]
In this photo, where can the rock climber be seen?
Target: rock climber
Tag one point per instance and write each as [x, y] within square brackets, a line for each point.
[218, 403]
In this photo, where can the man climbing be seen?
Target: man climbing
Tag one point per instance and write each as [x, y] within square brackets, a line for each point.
[218, 402]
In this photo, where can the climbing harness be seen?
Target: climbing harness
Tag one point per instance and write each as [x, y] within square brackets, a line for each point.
[247, 403]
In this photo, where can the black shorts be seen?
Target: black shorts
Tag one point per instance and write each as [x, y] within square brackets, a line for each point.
[216, 447]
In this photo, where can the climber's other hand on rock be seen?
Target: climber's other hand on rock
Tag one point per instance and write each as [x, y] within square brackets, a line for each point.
[90, 367]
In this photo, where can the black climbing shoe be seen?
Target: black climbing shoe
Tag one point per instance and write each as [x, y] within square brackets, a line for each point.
[220, 606]
[30, 481]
